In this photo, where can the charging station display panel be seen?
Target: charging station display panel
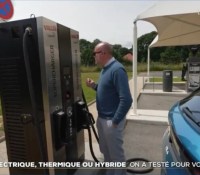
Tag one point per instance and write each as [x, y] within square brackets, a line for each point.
[193, 76]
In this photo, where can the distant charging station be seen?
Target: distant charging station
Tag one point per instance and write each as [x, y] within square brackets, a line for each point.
[193, 73]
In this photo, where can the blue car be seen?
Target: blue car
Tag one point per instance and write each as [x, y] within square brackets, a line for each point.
[181, 141]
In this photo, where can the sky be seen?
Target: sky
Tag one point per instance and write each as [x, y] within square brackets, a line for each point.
[110, 21]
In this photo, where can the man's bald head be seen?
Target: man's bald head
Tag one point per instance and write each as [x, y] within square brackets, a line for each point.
[105, 47]
[102, 53]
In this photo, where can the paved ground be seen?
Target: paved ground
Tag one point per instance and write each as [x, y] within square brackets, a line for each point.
[144, 140]
[144, 132]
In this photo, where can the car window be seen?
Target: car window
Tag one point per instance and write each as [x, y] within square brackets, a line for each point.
[193, 104]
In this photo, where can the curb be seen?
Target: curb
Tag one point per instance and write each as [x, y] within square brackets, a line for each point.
[92, 102]
[2, 139]
[149, 122]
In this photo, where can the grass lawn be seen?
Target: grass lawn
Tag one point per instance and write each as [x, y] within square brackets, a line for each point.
[160, 79]
[90, 93]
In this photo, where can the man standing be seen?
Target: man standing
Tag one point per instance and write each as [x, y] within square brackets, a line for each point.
[113, 99]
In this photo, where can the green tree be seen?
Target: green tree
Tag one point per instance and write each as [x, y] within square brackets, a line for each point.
[94, 43]
[155, 53]
[86, 52]
[116, 51]
[143, 43]
[86, 49]
[170, 55]
[123, 51]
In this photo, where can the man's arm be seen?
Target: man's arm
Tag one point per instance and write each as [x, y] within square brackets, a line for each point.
[120, 80]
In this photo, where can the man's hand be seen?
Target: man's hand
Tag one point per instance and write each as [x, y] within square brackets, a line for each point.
[111, 124]
[90, 83]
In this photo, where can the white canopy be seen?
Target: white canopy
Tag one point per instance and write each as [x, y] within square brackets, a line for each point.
[177, 23]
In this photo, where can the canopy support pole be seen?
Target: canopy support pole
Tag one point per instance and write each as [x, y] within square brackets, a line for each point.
[135, 68]
[148, 63]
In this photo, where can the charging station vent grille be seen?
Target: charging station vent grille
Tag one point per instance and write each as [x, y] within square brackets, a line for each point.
[11, 80]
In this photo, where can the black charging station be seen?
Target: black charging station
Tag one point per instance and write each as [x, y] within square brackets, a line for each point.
[40, 85]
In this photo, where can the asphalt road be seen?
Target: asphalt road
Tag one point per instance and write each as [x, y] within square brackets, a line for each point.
[144, 140]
